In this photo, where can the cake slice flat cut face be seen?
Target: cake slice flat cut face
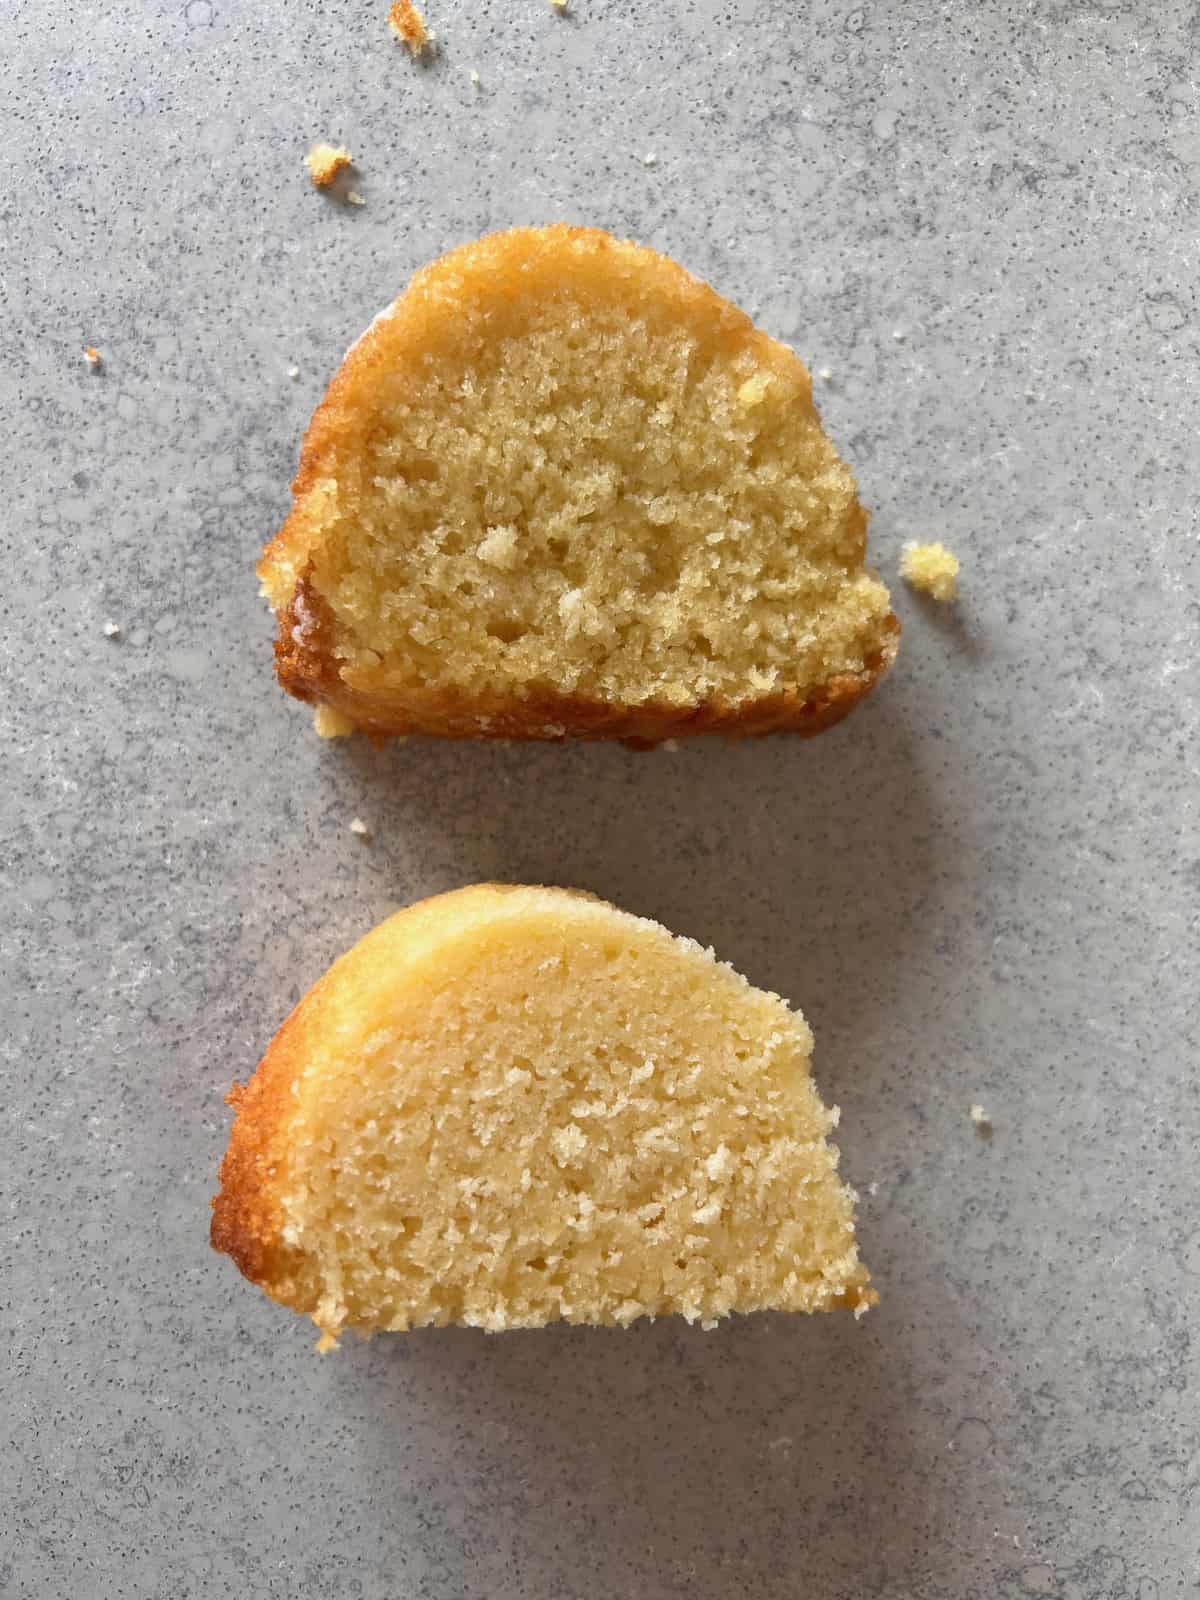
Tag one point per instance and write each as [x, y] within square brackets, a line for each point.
[507, 1107]
[563, 489]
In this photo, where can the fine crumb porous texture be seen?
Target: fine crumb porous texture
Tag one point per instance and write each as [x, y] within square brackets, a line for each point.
[931, 568]
[561, 489]
[408, 25]
[325, 161]
[512, 1106]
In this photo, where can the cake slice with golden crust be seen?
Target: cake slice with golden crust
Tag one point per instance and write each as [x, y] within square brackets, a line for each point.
[562, 489]
[510, 1106]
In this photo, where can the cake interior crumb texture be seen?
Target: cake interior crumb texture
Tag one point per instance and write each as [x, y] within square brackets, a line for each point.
[931, 568]
[325, 161]
[510, 1106]
[562, 466]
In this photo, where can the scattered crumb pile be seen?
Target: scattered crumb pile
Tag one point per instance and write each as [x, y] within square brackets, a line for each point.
[931, 568]
[408, 25]
[561, 466]
[510, 1106]
[325, 161]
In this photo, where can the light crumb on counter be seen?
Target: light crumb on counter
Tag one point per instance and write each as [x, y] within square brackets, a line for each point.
[982, 1121]
[359, 828]
[325, 161]
[475, 78]
[293, 373]
[931, 568]
[329, 723]
[825, 374]
[93, 357]
[353, 198]
[649, 159]
[407, 23]
[558, 5]
[112, 630]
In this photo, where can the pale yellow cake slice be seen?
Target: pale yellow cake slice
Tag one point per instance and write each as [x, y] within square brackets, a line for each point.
[562, 489]
[506, 1107]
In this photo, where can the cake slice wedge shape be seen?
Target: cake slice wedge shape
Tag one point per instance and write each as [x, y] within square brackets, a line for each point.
[562, 489]
[511, 1106]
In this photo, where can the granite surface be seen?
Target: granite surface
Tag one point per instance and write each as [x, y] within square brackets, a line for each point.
[982, 219]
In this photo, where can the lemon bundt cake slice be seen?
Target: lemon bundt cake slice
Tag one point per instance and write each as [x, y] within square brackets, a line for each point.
[510, 1106]
[562, 489]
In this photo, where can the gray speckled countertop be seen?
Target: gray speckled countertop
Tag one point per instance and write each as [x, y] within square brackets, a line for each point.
[983, 219]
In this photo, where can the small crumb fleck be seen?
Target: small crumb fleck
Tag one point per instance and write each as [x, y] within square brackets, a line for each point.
[982, 1121]
[407, 23]
[359, 828]
[293, 373]
[931, 568]
[670, 746]
[93, 357]
[899, 335]
[329, 723]
[825, 374]
[754, 391]
[873, 1188]
[325, 161]
[649, 159]
[475, 78]
[353, 198]
[559, 5]
[112, 630]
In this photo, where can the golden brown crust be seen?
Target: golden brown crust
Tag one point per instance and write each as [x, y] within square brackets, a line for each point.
[307, 663]
[246, 1218]
[308, 669]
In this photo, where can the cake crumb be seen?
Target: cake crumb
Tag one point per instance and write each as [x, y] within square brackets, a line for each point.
[559, 5]
[325, 161]
[475, 78]
[359, 828]
[825, 374]
[754, 391]
[329, 723]
[649, 159]
[931, 568]
[293, 373]
[112, 630]
[670, 746]
[355, 199]
[982, 1121]
[93, 357]
[407, 23]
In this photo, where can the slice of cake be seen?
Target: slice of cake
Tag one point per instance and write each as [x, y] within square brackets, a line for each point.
[562, 489]
[510, 1106]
